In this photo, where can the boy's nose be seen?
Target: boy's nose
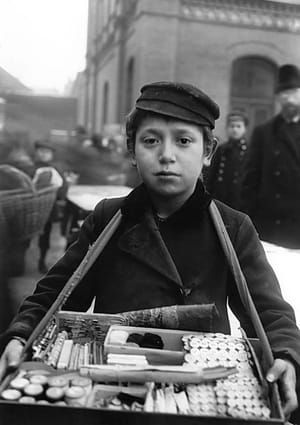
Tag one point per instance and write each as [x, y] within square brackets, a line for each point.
[167, 153]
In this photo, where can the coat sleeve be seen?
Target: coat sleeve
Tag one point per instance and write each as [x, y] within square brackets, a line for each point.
[276, 314]
[253, 173]
[36, 305]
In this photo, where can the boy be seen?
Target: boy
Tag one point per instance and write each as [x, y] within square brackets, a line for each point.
[224, 177]
[166, 250]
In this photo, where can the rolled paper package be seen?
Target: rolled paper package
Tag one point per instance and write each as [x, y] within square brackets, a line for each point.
[199, 317]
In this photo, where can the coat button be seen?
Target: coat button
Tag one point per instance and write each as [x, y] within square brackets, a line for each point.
[277, 152]
[277, 173]
[220, 179]
[277, 196]
[278, 221]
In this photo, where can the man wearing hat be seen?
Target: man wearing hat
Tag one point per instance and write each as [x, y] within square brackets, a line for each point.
[166, 251]
[271, 189]
[223, 178]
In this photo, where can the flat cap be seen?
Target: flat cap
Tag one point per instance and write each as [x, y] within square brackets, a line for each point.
[237, 115]
[179, 100]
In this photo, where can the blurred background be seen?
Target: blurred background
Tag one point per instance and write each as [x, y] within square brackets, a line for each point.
[70, 72]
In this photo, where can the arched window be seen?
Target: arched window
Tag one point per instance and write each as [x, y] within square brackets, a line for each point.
[253, 82]
[105, 103]
[129, 86]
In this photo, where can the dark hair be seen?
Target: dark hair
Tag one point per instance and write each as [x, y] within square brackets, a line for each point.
[136, 116]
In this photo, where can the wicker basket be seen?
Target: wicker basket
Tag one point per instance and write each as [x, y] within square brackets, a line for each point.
[25, 213]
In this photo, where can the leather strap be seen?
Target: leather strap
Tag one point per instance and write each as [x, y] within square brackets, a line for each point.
[87, 262]
[241, 282]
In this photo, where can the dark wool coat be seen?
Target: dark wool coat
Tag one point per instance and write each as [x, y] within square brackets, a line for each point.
[136, 270]
[271, 189]
[223, 179]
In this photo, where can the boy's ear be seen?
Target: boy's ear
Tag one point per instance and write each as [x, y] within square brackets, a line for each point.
[210, 150]
[133, 161]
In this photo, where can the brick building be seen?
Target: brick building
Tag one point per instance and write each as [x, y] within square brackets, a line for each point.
[231, 48]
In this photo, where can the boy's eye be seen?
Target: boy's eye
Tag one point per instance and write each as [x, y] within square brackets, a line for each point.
[150, 141]
[185, 141]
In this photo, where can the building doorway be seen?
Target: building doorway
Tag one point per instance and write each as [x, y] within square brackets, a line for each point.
[253, 82]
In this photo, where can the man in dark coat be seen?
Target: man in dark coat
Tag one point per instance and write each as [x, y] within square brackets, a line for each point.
[223, 178]
[166, 251]
[271, 189]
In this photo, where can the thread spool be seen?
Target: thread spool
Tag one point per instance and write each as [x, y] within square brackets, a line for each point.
[75, 396]
[38, 379]
[33, 390]
[27, 399]
[54, 394]
[19, 383]
[83, 382]
[11, 394]
[58, 381]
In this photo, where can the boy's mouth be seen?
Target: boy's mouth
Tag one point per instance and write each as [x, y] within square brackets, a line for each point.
[167, 173]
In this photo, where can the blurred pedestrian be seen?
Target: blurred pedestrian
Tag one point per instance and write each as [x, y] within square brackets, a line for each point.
[223, 178]
[271, 189]
[20, 158]
[47, 175]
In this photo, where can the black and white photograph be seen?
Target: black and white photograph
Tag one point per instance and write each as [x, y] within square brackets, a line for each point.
[150, 212]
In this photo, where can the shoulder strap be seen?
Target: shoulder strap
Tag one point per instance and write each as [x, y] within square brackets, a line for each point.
[110, 207]
[240, 281]
[86, 263]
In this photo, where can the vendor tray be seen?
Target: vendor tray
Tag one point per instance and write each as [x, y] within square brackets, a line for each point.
[14, 413]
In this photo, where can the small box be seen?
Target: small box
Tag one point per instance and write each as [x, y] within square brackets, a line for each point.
[84, 326]
[172, 352]
[104, 392]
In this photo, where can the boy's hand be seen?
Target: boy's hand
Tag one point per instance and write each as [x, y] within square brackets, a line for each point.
[11, 357]
[284, 372]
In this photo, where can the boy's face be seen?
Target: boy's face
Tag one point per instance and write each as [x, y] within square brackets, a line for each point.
[44, 154]
[169, 155]
[236, 129]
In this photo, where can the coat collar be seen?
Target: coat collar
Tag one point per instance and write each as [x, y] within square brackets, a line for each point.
[143, 240]
[138, 202]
